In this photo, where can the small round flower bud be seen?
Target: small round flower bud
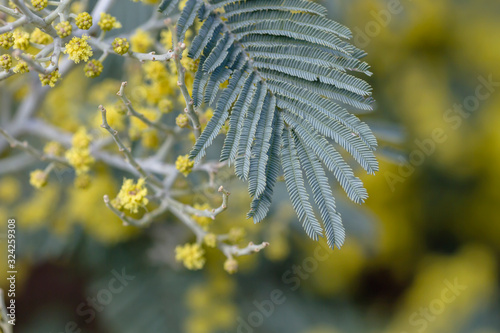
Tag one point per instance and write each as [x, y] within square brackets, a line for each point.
[210, 240]
[53, 148]
[7, 40]
[83, 21]
[38, 178]
[64, 29]
[182, 120]
[231, 266]
[21, 40]
[93, 68]
[108, 22]
[165, 105]
[5, 61]
[21, 67]
[39, 4]
[120, 45]
[50, 79]
[184, 165]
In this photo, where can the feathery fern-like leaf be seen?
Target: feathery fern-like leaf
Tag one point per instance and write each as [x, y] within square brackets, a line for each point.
[322, 194]
[296, 188]
[290, 89]
[261, 204]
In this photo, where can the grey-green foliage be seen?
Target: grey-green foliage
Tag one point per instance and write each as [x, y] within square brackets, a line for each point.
[289, 86]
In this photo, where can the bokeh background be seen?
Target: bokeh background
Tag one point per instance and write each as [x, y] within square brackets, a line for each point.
[422, 254]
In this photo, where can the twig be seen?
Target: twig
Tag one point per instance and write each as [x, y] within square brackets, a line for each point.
[129, 157]
[36, 20]
[181, 82]
[147, 219]
[14, 143]
[132, 112]
[11, 26]
[105, 46]
[210, 213]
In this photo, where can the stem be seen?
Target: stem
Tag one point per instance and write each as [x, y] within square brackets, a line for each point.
[132, 112]
[129, 157]
[14, 143]
[147, 219]
[181, 82]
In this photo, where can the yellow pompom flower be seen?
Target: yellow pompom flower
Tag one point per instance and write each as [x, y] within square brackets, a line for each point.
[190, 64]
[210, 240]
[108, 22]
[150, 139]
[64, 29]
[155, 71]
[132, 195]
[78, 49]
[21, 67]
[80, 159]
[165, 105]
[53, 148]
[83, 21]
[38, 178]
[120, 45]
[40, 37]
[191, 255]
[79, 155]
[81, 139]
[166, 39]
[231, 266]
[182, 120]
[184, 165]
[5, 61]
[236, 235]
[93, 68]
[203, 221]
[21, 40]
[7, 40]
[50, 79]
[141, 41]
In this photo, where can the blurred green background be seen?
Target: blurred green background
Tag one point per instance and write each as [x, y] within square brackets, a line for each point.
[422, 254]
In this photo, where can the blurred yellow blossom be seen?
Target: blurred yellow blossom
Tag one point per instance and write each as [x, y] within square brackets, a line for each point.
[39, 4]
[108, 22]
[191, 255]
[231, 266]
[38, 178]
[184, 164]
[210, 240]
[53, 148]
[21, 40]
[40, 37]
[203, 221]
[5, 61]
[7, 40]
[141, 41]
